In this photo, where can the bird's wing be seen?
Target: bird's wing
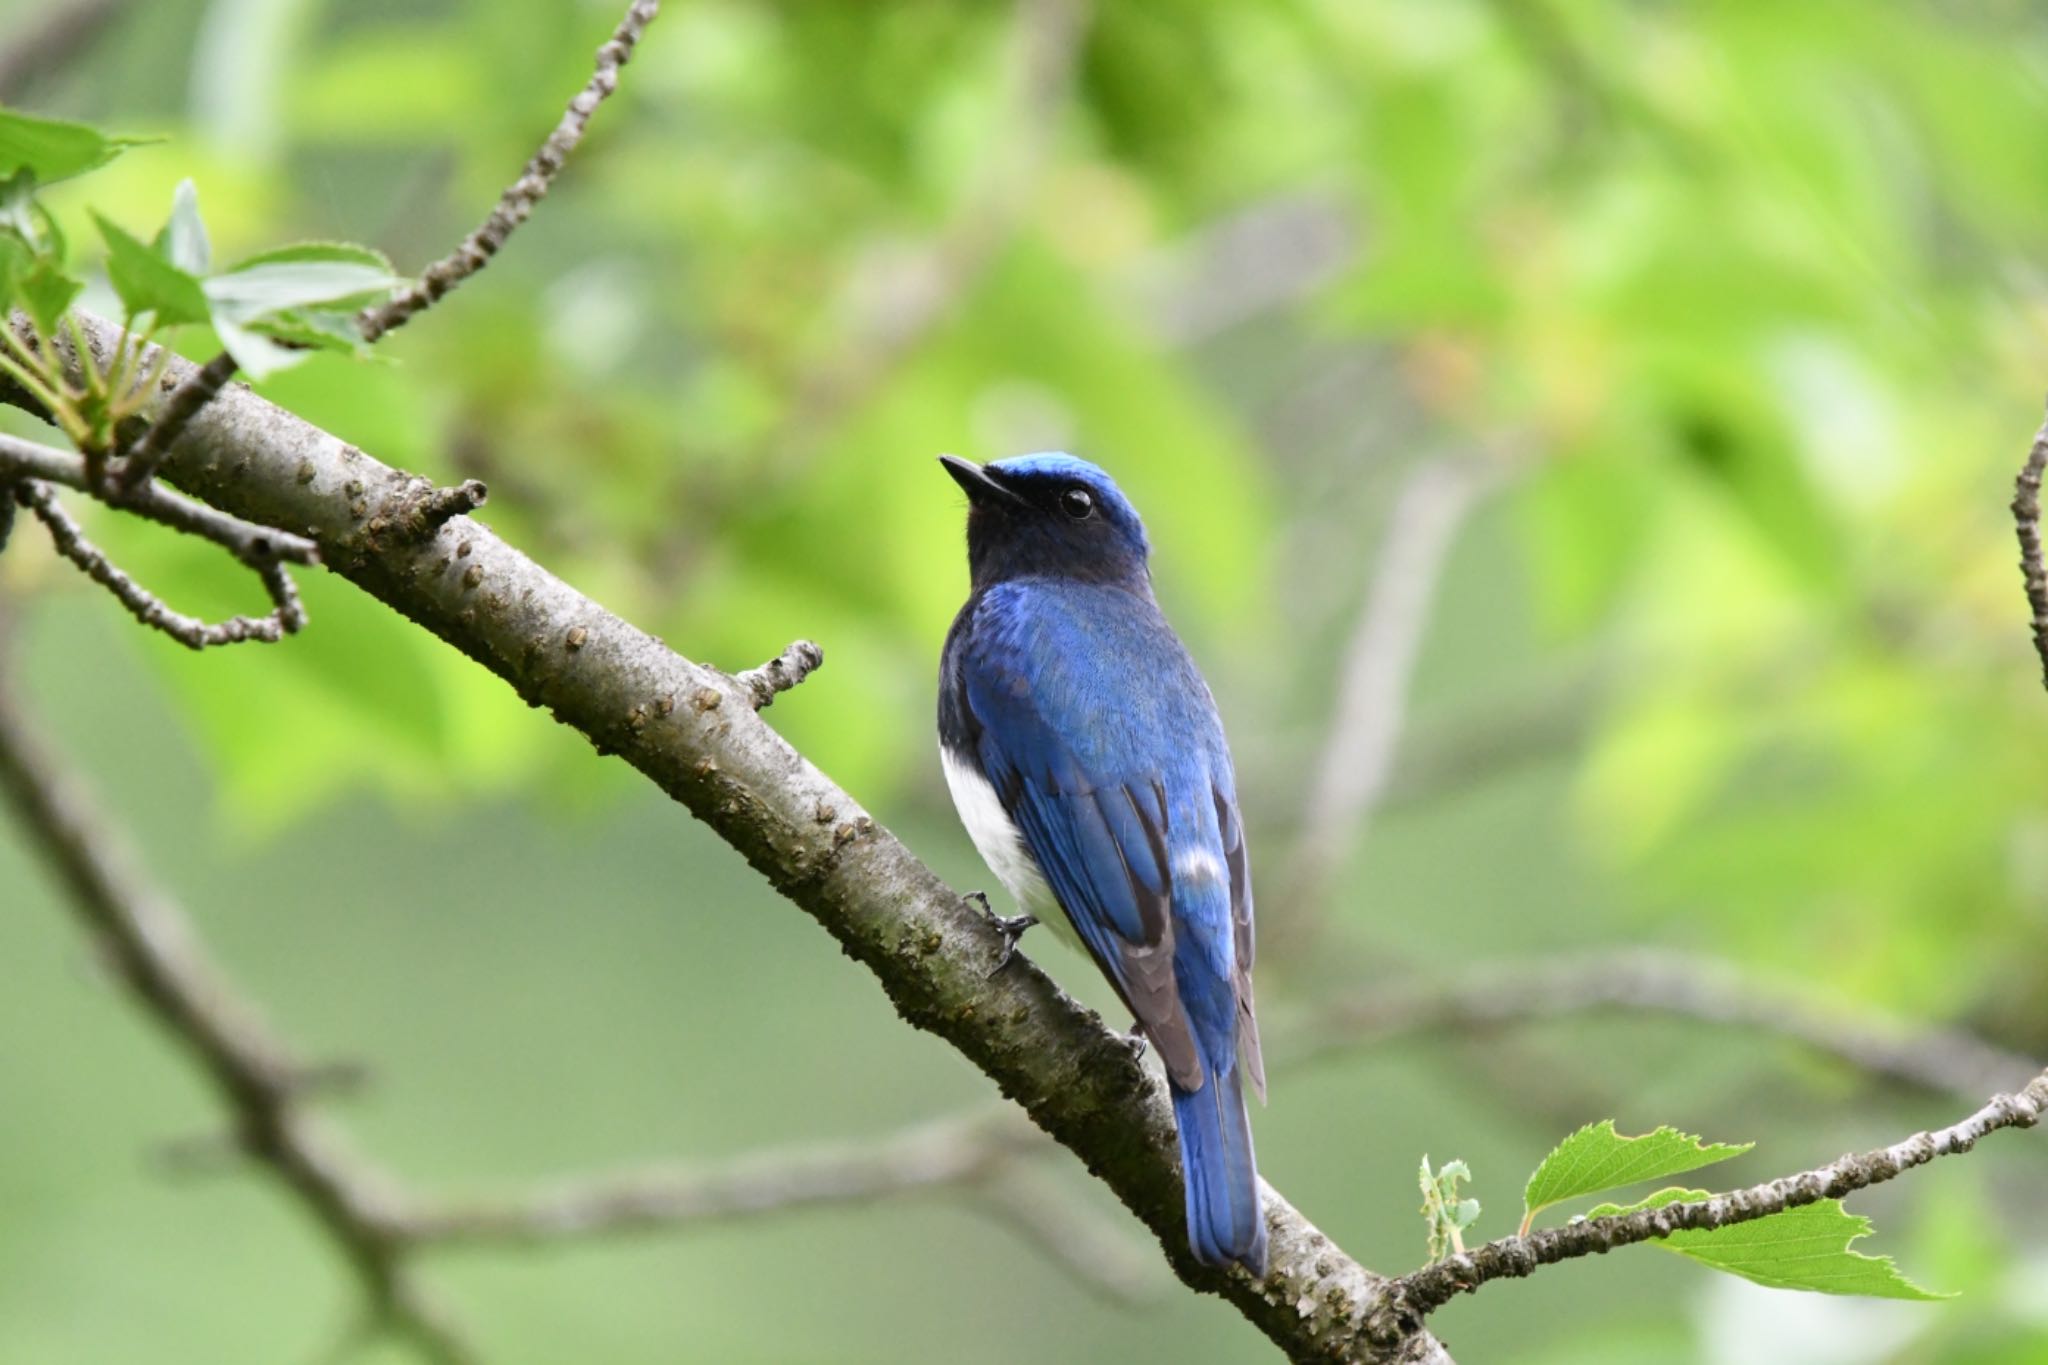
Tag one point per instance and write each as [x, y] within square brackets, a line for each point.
[1231, 828]
[1089, 791]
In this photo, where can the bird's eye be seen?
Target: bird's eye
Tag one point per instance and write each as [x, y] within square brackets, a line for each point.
[1077, 503]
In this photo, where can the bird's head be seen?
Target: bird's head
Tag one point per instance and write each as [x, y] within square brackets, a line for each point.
[1050, 515]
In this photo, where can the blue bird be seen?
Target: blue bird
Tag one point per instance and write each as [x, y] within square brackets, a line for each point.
[1087, 761]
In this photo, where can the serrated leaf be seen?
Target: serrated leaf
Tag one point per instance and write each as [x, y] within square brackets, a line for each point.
[345, 253]
[315, 330]
[183, 241]
[55, 149]
[277, 286]
[1597, 1158]
[44, 291]
[147, 283]
[1806, 1248]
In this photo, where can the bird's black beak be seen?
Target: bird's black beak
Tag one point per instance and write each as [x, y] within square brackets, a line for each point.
[981, 487]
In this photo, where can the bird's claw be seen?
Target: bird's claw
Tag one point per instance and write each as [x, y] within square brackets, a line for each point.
[1135, 1041]
[1012, 928]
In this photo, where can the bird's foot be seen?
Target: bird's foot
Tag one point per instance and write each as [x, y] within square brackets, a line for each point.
[1012, 928]
[1134, 1039]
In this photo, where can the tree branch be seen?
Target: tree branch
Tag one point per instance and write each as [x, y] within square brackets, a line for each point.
[631, 695]
[951, 1152]
[248, 542]
[517, 202]
[288, 616]
[781, 673]
[1412, 1298]
[1365, 732]
[1941, 1061]
[2026, 516]
[150, 946]
[147, 451]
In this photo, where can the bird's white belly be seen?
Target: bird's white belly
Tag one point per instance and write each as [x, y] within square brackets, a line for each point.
[1001, 845]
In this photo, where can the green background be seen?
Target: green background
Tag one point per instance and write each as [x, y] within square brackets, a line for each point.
[1742, 302]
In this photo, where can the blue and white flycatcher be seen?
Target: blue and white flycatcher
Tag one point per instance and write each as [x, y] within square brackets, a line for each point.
[1088, 763]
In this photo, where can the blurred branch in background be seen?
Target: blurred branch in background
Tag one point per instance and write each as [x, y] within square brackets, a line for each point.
[61, 33]
[1943, 1061]
[151, 945]
[977, 1157]
[1364, 734]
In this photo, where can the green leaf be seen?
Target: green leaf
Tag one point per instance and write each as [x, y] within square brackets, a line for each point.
[343, 253]
[1596, 1158]
[257, 355]
[274, 286]
[183, 240]
[55, 149]
[44, 292]
[1804, 1248]
[147, 283]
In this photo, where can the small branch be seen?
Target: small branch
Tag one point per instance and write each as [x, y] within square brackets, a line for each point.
[248, 542]
[145, 606]
[1411, 1299]
[2026, 516]
[438, 506]
[138, 464]
[933, 1156]
[1938, 1060]
[150, 945]
[529, 189]
[1372, 704]
[780, 673]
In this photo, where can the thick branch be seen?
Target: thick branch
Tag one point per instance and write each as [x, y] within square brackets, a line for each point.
[1414, 1297]
[692, 730]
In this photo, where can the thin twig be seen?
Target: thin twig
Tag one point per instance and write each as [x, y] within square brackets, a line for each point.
[2026, 516]
[247, 541]
[1411, 1299]
[141, 458]
[1372, 703]
[781, 673]
[529, 189]
[1939, 1060]
[144, 605]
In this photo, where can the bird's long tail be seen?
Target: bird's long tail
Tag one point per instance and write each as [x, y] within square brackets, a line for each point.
[1225, 1222]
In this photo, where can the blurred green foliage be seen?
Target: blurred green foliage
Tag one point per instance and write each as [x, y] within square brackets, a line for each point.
[1746, 297]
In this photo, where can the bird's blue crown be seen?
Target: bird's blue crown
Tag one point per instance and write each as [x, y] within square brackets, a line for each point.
[1049, 515]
